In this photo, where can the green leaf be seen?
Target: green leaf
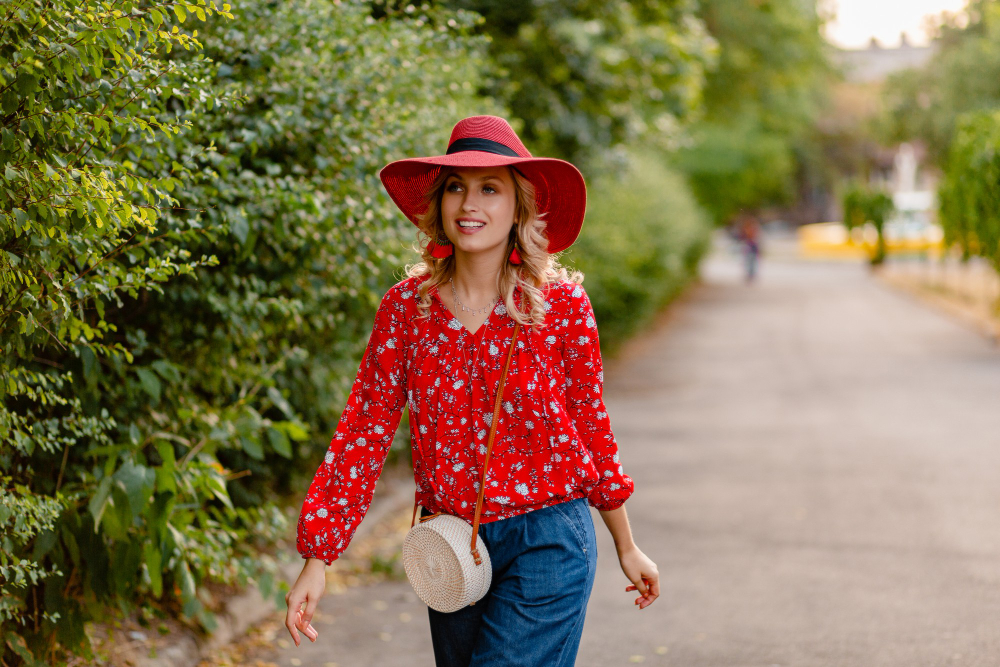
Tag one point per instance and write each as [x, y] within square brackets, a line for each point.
[295, 431]
[138, 483]
[280, 443]
[99, 501]
[20, 647]
[118, 517]
[43, 543]
[185, 580]
[150, 383]
[218, 488]
[240, 228]
[251, 445]
[154, 564]
[90, 368]
[167, 370]
[265, 583]
[166, 481]
[26, 84]
[249, 421]
[279, 402]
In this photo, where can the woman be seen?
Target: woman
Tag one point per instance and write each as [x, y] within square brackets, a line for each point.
[494, 215]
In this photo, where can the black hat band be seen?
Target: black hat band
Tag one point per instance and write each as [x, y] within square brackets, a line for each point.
[484, 145]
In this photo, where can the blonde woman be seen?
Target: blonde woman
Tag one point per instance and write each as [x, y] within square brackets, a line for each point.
[494, 216]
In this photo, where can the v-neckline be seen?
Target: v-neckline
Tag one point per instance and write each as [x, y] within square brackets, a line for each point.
[466, 329]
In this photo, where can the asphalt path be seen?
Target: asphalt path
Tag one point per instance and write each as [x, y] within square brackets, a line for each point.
[817, 469]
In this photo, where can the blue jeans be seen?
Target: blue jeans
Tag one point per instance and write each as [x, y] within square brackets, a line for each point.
[751, 253]
[543, 572]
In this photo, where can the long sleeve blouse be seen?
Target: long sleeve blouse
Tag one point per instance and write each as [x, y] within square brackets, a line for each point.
[553, 442]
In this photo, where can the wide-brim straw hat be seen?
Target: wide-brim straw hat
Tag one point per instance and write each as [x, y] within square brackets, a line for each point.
[490, 141]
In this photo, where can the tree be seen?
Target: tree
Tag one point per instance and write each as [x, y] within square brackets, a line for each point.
[863, 205]
[964, 76]
[952, 106]
[969, 204]
[753, 146]
[586, 75]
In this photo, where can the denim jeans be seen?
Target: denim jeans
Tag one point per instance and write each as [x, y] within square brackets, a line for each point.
[543, 572]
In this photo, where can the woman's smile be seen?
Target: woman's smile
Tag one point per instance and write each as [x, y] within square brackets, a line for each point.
[469, 225]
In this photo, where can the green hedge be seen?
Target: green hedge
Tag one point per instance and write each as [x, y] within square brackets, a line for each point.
[193, 248]
[969, 202]
[84, 517]
[194, 243]
[641, 243]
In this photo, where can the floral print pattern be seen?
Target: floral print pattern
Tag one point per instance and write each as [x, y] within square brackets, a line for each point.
[553, 442]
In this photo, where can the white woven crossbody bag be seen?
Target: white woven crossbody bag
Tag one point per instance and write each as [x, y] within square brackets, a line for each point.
[446, 568]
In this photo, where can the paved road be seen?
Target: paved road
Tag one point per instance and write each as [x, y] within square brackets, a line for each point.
[817, 464]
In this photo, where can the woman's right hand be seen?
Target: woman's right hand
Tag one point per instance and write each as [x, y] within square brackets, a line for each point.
[308, 589]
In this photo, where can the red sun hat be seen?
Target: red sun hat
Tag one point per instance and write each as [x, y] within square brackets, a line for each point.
[490, 141]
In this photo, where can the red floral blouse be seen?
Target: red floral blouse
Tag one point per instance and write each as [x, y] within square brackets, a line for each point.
[553, 442]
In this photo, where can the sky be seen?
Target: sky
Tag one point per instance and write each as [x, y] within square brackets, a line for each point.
[857, 21]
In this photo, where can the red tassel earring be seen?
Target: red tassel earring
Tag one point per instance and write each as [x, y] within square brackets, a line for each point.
[440, 250]
[515, 257]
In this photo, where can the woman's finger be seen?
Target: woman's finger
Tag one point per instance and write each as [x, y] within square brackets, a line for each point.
[307, 614]
[294, 601]
[305, 626]
[648, 600]
[290, 624]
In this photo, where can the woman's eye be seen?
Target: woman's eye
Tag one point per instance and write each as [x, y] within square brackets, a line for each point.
[488, 188]
[453, 187]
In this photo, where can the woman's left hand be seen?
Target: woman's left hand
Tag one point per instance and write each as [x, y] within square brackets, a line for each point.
[642, 573]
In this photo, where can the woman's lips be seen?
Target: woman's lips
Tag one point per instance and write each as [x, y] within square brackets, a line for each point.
[469, 230]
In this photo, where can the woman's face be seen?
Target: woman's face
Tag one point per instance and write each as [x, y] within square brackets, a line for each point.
[477, 208]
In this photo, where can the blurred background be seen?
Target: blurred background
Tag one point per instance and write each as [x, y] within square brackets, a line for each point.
[792, 246]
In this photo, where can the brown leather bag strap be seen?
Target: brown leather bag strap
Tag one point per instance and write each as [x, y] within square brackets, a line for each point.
[489, 449]
[489, 444]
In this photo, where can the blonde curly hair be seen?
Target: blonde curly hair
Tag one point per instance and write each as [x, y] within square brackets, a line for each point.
[537, 268]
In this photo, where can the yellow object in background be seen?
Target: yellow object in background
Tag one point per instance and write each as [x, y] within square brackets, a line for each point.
[831, 240]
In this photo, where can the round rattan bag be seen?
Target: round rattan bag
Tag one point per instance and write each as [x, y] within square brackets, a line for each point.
[440, 565]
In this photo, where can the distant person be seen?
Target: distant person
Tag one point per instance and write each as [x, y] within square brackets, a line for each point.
[439, 345]
[748, 231]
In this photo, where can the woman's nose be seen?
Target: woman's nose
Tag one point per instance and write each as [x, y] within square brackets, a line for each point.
[470, 203]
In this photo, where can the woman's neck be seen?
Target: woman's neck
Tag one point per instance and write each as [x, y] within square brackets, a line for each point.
[476, 276]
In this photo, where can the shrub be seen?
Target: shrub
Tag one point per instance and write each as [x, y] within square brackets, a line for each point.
[641, 243]
[84, 101]
[969, 202]
[148, 422]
